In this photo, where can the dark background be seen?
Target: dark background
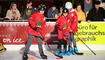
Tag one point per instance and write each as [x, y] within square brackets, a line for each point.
[21, 4]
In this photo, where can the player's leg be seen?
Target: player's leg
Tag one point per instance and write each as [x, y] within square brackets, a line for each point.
[27, 46]
[74, 43]
[70, 49]
[43, 56]
[59, 49]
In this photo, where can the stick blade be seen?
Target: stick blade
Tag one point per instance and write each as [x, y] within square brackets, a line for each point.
[59, 56]
[79, 53]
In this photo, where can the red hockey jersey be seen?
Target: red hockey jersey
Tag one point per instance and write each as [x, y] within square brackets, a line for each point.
[33, 20]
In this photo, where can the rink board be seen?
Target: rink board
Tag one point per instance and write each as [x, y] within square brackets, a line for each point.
[15, 34]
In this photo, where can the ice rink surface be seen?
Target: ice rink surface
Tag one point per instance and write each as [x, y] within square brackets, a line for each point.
[17, 55]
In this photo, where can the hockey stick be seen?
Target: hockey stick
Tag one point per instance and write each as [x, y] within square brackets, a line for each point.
[50, 47]
[69, 43]
[65, 37]
[86, 45]
[53, 51]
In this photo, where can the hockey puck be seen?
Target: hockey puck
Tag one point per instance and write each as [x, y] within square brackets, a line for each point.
[59, 58]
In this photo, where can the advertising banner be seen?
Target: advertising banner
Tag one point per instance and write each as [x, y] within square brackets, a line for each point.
[16, 33]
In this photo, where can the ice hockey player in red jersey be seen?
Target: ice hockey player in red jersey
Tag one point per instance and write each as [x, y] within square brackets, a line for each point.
[37, 27]
[73, 28]
[63, 31]
[74, 23]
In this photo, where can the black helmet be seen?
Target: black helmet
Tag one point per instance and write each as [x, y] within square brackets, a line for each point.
[65, 10]
[29, 2]
[97, 2]
[41, 7]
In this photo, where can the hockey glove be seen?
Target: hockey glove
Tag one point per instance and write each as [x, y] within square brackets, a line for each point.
[41, 38]
[35, 28]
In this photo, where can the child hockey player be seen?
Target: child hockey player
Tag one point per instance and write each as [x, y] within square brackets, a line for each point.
[73, 28]
[63, 31]
[37, 24]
